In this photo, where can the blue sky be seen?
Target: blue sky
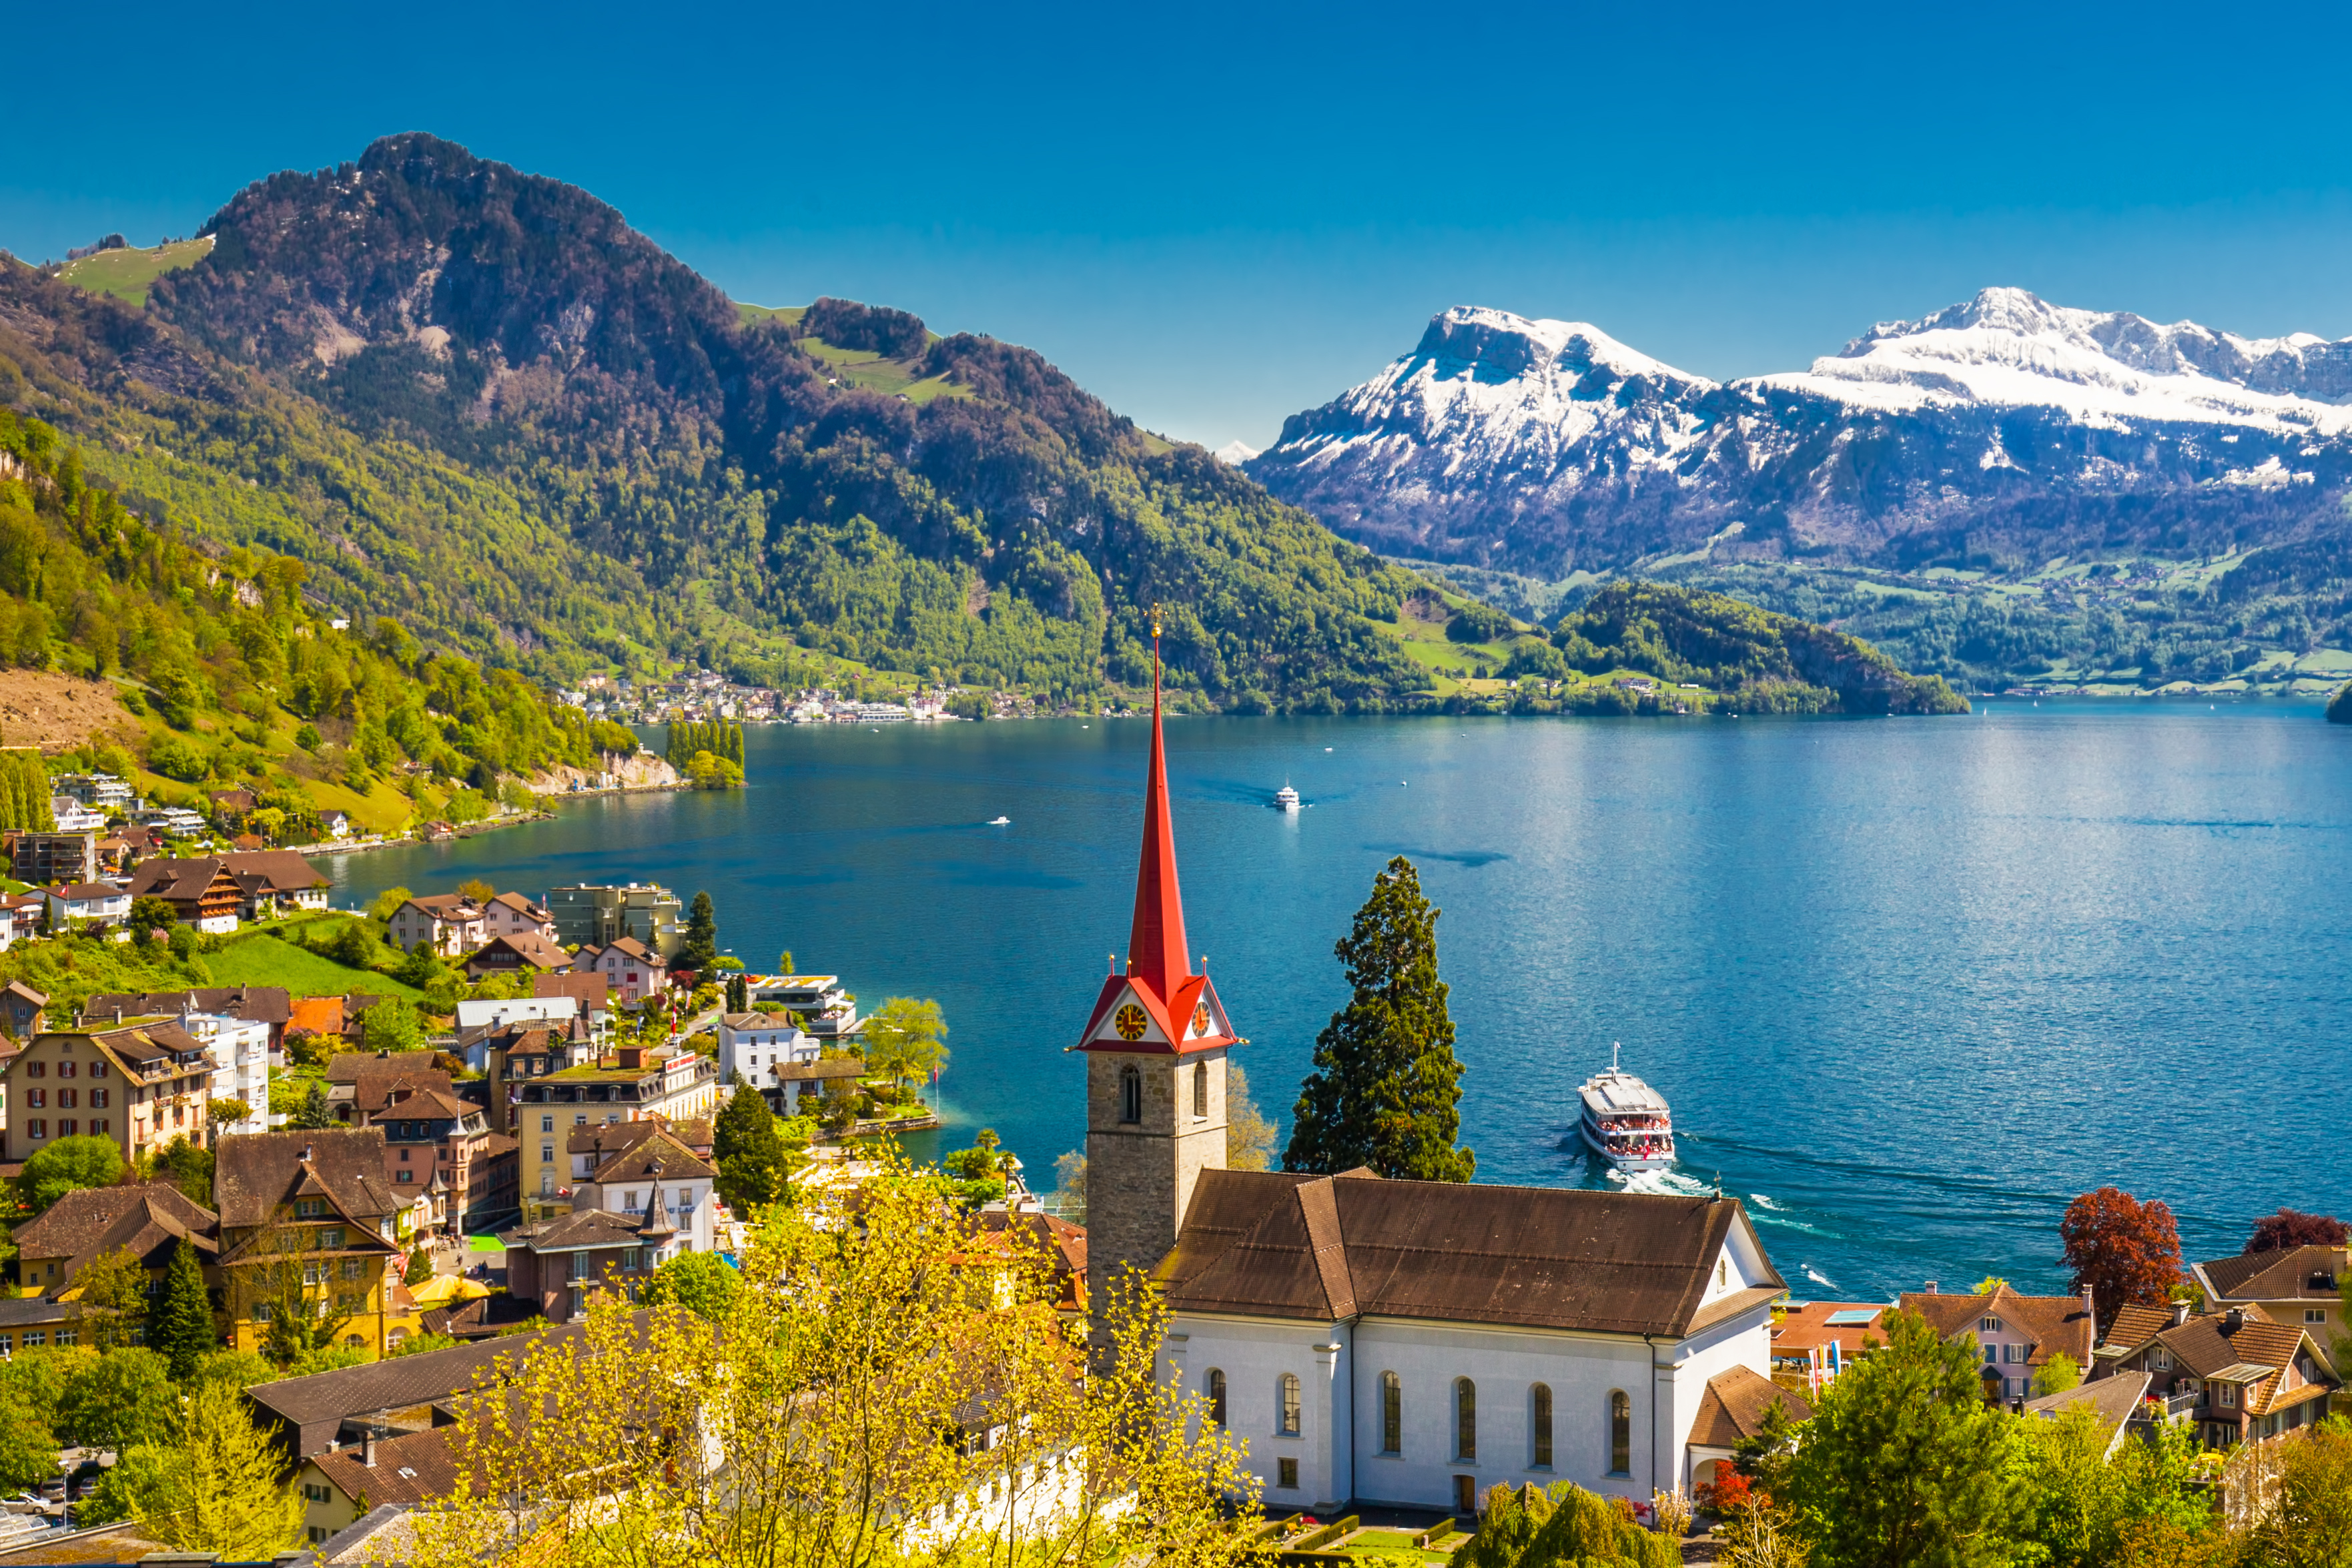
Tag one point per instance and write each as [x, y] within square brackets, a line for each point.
[1216, 214]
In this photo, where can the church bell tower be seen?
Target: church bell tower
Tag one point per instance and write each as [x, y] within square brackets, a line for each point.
[1155, 1045]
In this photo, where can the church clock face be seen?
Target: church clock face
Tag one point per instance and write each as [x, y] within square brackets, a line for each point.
[1200, 1019]
[1130, 1022]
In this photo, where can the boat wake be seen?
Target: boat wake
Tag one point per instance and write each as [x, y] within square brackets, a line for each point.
[1665, 1184]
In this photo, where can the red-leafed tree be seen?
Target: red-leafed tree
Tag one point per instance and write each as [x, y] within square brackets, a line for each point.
[2126, 1251]
[2291, 1228]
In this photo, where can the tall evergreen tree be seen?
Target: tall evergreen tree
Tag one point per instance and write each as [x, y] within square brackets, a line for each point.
[749, 1150]
[314, 1114]
[702, 949]
[181, 1327]
[1386, 1089]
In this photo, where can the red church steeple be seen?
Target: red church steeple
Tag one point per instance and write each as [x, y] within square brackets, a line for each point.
[1159, 1005]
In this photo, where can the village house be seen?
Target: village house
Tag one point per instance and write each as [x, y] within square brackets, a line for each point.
[587, 991]
[1813, 1342]
[626, 1084]
[445, 924]
[341, 1484]
[2236, 1374]
[511, 914]
[337, 824]
[309, 1215]
[276, 882]
[436, 1145]
[593, 916]
[326, 1412]
[817, 1003]
[202, 892]
[649, 1201]
[2292, 1285]
[22, 1010]
[243, 1027]
[73, 905]
[20, 918]
[632, 972]
[2116, 1403]
[784, 1063]
[523, 953]
[148, 1221]
[141, 1083]
[2017, 1335]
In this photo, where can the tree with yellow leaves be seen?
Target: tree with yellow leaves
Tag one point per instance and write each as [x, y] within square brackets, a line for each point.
[890, 1386]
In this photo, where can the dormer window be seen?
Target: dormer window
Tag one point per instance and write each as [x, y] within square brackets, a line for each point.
[310, 1208]
[1987, 1325]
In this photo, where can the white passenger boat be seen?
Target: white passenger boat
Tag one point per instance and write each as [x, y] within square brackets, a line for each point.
[1285, 798]
[1625, 1122]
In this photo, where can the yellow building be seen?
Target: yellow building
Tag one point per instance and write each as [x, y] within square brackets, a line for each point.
[308, 1226]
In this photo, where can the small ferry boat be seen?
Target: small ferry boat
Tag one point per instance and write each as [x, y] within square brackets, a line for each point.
[1285, 798]
[1626, 1121]
[1000, 822]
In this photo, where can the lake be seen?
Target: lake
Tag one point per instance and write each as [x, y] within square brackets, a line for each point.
[1910, 984]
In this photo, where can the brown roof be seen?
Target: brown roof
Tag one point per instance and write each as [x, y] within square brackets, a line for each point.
[256, 1173]
[83, 892]
[585, 986]
[282, 870]
[18, 988]
[530, 947]
[454, 907]
[1806, 1324]
[627, 947]
[413, 1469]
[2056, 1324]
[253, 1004]
[521, 905]
[1065, 1249]
[1323, 1247]
[2294, 1273]
[2134, 1326]
[181, 881]
[150, 1220]
[577, 1231]
[480, 1318]
[659, 1158]
[409, 1094]
[606, 1139]
[147, 1044]
[1734, 1405]
[2256, 1352]
[318, 1405]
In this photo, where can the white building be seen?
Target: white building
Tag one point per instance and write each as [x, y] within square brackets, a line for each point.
[762, 1047]
[1414, 1343]
[239, 1049]
[73, 816]
[73, 905]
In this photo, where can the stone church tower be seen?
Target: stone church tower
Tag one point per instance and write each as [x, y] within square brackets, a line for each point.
[1156, 1045]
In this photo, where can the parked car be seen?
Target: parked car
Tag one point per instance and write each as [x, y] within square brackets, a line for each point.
[23, 1502]
[53, 1489]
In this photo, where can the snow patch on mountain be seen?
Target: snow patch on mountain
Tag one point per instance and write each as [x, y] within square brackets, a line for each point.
[1234, 452]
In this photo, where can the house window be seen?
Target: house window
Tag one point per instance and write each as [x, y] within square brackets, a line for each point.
[1200, 1091]
[67, 1127]
[97, 1099]
[1286, 1474]
[332, 1237]
[547, 1124]
[1987, 1325]
[97, 1069]
[37, 1098]
[1130, 1096]
[65, 1069]
[353, 1267]
[36, 1070]
[1539, 1401]
[2226, 1396]
[310, 1208]
[404, 1175]
[2315, 1315]
[1391, 1414]
[1620, 1434]
[1465, 1419]
[1287, 1405]
[98, 1124]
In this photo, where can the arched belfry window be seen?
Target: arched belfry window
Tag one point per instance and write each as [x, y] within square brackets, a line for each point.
[1217, 1381]
[1539, 1413]
[1200, 1091]
[1286, 1405]
[1465, 1419]
[1620, 1434]
[1130, 1095]
[1391, 1414]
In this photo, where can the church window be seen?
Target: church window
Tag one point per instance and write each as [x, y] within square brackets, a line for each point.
[1200, 1091]
[1216, 1396]
[1620, 1434]
[1465, 1419]
[1286, 1474]
[1288, 1403]
[1391, 1414]
[1722, 1273]
[1130, 1095]
[1540, 1412]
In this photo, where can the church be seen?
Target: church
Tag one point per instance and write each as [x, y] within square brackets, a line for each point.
[1402, 1342]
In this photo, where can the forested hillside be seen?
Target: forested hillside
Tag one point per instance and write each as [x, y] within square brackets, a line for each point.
[232, 676]
[477, 400]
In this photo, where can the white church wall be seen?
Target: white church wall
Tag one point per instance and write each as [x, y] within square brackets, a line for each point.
[1253, 1355]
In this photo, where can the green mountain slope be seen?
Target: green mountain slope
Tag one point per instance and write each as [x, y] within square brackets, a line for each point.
[749, 486]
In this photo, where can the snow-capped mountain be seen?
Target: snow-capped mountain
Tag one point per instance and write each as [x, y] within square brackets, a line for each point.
[1235, 453]
[2004, 423]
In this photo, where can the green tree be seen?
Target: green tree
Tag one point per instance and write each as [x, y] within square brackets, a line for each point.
[905, 1039]
[1904, 1465]
[235, 1369]
[2309, 1524]
[1386, 1089]
[216, 1485]
[702, 1282]
[66, 1165]
[386, 904]
[149, 915]
[181, 1327]
[118, 1400]
[314, 1114]
[187, 1167]
[417, 1344]
[28, 1450]
[750, 1151]
[420, 1266]
[2084, 1500]
[701, 947]
[2058, 1374]
[113, 1293]
[1070, 1184]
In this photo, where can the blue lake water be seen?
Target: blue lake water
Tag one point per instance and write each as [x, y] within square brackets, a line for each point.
[1910, 984]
